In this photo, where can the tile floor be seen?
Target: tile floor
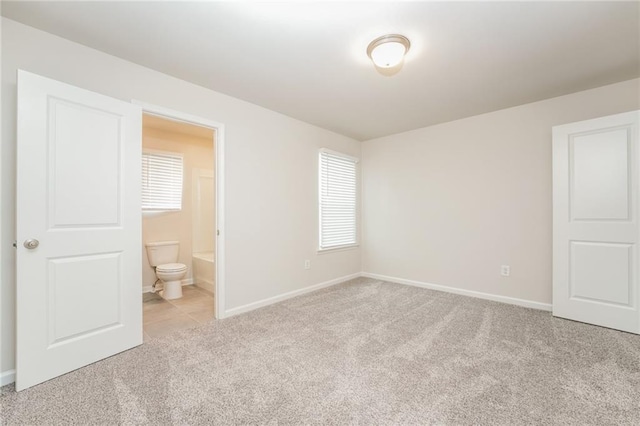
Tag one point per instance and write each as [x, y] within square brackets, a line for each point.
[162, 317]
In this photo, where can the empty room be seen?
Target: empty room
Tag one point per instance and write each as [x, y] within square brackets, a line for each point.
[320, 212]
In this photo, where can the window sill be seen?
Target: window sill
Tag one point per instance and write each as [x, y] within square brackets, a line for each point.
[337, 249]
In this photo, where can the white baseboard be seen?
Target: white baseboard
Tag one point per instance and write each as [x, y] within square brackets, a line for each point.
[186, 281]
[421, 284]
[289, 295]
[463, 292]
[7, 377]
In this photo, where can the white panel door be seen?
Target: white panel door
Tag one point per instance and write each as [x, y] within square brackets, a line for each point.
[78, 195]
[595, 221]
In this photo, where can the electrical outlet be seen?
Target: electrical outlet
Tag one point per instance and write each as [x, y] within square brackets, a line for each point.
[505, 270]
[307, 264]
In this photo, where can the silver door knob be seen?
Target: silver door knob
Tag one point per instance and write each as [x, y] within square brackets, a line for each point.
[31, 243]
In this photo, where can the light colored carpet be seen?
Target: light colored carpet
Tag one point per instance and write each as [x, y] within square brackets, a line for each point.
[363, 352]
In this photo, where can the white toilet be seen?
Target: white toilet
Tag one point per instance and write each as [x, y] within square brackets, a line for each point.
[163, 256]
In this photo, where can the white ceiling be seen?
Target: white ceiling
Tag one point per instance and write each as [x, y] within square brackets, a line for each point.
[308, 60]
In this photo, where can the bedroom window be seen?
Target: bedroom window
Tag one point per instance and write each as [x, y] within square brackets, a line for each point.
[338, 195]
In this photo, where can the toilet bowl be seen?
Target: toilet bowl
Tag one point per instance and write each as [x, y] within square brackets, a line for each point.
[163, 256]
[171, 275]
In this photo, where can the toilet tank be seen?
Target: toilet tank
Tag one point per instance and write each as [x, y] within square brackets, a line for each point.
[162, 252]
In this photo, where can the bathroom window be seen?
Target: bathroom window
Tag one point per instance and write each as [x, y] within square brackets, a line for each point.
[161, 180]
[337, 200]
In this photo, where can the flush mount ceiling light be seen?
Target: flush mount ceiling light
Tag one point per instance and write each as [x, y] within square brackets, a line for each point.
[389, 50]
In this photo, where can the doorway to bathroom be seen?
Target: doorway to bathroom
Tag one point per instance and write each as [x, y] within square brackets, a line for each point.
[82, 238]
[180, 222]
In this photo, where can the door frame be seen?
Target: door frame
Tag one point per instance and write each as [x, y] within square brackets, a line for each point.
[218, 145]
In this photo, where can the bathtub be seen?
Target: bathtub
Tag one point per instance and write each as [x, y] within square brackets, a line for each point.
[204, 273]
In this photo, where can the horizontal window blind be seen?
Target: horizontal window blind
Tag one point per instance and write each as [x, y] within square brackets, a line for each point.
[338, 200]
[161, 181]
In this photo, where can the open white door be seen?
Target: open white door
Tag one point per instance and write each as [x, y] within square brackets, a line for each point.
[595, 221]
[78, 227]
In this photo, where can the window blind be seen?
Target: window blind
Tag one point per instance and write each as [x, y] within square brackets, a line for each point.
[161, 181]
[338, 200]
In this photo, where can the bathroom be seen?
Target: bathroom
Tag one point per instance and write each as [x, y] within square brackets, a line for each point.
[178, 225]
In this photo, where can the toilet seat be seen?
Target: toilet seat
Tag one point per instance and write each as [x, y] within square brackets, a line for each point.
[171, 267]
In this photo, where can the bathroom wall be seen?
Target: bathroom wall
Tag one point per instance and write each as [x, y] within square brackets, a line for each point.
[175, 225]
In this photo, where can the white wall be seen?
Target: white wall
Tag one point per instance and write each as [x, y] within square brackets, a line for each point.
[450, 203]
[271, 163]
